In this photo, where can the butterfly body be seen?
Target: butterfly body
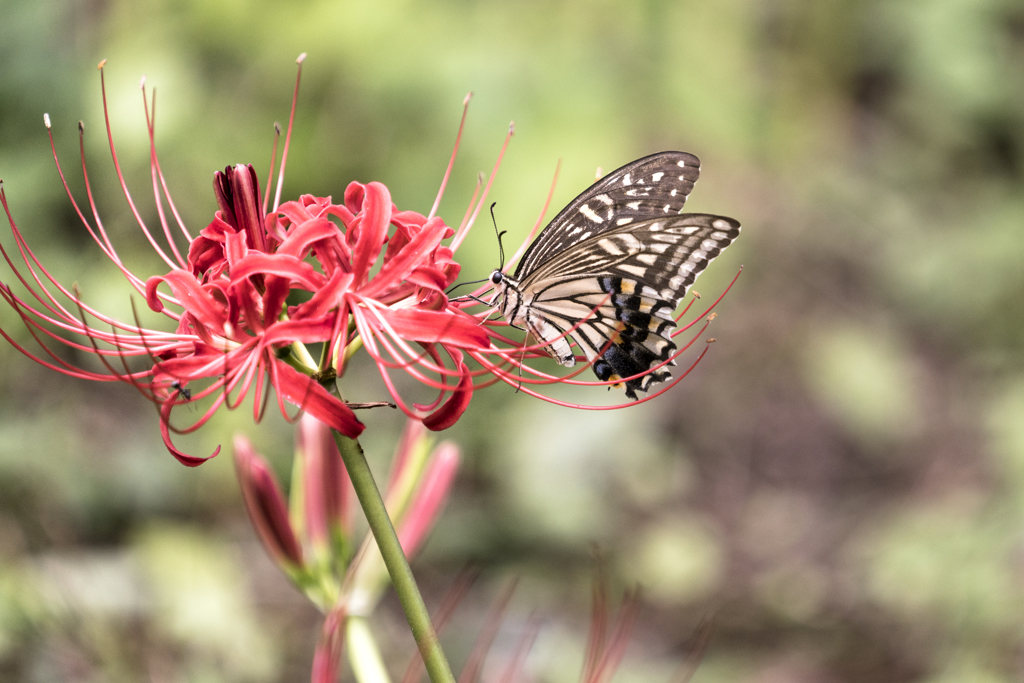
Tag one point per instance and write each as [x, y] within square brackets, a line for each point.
[610, 269]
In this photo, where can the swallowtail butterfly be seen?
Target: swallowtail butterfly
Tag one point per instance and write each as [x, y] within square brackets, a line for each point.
[625, 248]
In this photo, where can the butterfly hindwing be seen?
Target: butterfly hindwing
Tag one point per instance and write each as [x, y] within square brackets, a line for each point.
[622, 332]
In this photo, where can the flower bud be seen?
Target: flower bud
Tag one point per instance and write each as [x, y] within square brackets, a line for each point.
[265, 504]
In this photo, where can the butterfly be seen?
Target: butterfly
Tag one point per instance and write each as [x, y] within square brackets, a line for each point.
[610, 269]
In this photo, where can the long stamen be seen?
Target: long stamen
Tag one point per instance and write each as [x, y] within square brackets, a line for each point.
[288, 135]
[451, 162]
[120, 177]
[463, 231]
[158, 180]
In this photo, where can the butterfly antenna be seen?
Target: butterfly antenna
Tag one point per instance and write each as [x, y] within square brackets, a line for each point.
[501, 248]
[463, 284]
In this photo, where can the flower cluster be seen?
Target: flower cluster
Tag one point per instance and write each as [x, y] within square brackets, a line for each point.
[367, 274]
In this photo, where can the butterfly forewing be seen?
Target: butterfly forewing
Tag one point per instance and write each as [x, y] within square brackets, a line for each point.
[655, 186]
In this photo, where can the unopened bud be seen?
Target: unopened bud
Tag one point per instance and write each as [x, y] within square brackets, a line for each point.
[265, 504]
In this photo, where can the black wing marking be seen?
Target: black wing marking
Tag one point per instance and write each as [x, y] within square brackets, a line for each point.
[655, 186]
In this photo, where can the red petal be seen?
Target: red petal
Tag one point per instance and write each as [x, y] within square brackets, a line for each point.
[302, 236]
[448, 414]
[184, 458]
[273, 299]
[354, 194]
[412, 255]
[235, 248]
[324, 299]
[192, 297]
[373, 229]
[203, 254]
[429, 277]
[305, 331]
[307, 394]
[288, 267]
[433, 326]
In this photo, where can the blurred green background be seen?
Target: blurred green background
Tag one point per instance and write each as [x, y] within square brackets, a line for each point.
[840, 483]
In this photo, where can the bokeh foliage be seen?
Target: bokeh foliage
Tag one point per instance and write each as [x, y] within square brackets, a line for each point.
[841, 482]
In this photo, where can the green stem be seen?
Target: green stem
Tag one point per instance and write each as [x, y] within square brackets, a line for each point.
[394, 559]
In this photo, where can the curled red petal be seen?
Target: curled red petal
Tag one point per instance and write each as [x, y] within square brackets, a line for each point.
[282, 265]
[449, 413]
[428, 277]
[306, 393]
[295, 212]
[373, 229]
[190, 294]
[301, 237]
[354, 194]
[165, 432]
[203, 254]
[411, 255]
[324, 299]
[305, 331]
[274, 298]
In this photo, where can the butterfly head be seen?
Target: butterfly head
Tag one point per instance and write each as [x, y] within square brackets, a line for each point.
[497, 277]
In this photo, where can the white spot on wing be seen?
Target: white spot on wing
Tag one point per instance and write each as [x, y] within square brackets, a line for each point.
[721, 224]
[631, 243]
[610, 246]
[624, 221]
[633, 270]
[589, 213]
[673, 192]
[657, 176]
[626, 180]
[647, 259]
[681, 163]
[604, 199]
[634, 205]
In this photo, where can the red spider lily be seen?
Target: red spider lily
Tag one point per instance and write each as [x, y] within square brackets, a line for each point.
[372, 275]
